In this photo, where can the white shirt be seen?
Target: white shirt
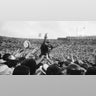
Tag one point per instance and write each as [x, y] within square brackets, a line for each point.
[5, 70]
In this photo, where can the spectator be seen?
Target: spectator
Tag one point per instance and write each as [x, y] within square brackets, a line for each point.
[46, 47]
[31, 64]
[53, 70]
[10, 60]
[74, 69]
[21, 70]
[91, 71]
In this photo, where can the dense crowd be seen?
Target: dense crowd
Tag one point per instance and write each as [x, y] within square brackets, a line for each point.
[44, 63]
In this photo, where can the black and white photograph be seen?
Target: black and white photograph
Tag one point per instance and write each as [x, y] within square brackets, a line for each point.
[48, 48]
[52, 40]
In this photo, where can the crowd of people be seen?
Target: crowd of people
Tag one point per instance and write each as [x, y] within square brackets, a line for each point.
[44, 64]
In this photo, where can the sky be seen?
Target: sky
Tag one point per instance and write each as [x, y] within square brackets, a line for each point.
[55, 29]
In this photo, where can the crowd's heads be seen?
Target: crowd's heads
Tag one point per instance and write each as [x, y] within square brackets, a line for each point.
[11, 63]
[85, 66]
[73, 72]
[61, 64]
[28, 65]
[8, 57]
[91, 71]
[21, 59]
[31, 64]
[53, 70]
[21, 70]
[10, 60]
[74, 69]
[66, 63]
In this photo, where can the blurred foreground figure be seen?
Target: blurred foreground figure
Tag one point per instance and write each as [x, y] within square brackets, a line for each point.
[31, 64]
[53, 70]
[10, 60]
[4, 68]
[91, 71]
[21, 70]
[74, 69]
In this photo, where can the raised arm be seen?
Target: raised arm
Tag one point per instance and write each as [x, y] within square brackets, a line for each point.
[45, 38]
[40, 60]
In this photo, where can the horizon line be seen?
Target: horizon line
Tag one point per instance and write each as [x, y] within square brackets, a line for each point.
[43, 38]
